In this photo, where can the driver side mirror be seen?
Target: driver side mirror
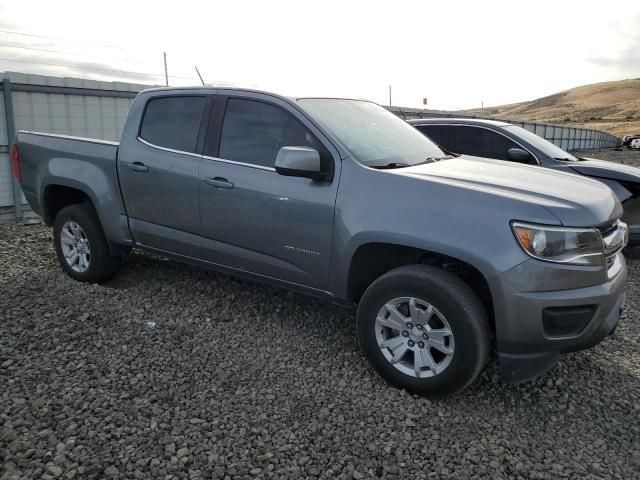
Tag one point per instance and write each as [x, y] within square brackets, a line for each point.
[518, 155]
[300, 162]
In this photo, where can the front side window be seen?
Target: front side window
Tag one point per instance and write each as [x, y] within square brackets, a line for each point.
[173, 122]
[253, 132]
[481, 142]
[440, 134]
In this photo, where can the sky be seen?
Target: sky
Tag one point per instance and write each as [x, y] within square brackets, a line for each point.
[457, 54]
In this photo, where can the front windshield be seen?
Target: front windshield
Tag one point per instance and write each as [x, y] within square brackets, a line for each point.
[545, 146]
[373, 135]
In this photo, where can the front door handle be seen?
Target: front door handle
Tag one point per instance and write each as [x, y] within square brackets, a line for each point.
[218, 182]
[137, 167]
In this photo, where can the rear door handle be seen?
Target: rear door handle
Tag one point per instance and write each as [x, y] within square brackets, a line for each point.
[218, 182]
[137, 167]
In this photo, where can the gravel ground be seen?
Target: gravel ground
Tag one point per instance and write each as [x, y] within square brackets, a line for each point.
[623, 155]
[240, 380]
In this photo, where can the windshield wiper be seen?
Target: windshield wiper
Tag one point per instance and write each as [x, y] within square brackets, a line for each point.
[402, 164]
[391, 165]
[434, 159]
[565, 159]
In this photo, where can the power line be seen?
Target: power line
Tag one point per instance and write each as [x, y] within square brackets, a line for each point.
[68, 53]
[60, 39]
[96, 69]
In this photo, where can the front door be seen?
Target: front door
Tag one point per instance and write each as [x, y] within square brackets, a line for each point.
[252, 218]
[158, 172]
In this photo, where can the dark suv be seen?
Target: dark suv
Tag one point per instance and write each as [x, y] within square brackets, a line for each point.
[504, 141]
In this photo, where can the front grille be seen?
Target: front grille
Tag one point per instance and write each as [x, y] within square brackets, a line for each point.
[606, 230]
[614, 238]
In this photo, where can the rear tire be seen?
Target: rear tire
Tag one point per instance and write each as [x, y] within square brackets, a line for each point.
[424, 330]
[81, 245]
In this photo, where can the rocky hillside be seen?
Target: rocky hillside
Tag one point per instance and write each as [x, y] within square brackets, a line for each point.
[610, 106]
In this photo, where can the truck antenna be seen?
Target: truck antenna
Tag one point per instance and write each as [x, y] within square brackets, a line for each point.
[166, 75]
[198, 72]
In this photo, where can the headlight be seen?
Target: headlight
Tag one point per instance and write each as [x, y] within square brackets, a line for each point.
[576, 246]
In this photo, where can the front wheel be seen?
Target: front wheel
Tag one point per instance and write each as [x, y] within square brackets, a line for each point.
[424, 330]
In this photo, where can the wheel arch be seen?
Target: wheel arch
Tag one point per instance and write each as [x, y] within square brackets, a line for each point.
[56, 196]
[59, 194]
[372, 259]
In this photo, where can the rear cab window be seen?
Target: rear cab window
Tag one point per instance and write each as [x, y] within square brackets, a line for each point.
[173, 122]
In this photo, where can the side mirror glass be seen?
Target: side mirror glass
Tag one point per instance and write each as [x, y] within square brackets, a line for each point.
[300, 162]
[518, 155]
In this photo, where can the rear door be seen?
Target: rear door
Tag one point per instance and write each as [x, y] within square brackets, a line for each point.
[158, 171]
[254, 219]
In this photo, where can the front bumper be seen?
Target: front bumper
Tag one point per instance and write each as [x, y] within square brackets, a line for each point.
[550, 309]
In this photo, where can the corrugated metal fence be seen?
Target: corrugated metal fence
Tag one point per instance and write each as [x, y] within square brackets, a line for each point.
[67, 106]
[89, 108]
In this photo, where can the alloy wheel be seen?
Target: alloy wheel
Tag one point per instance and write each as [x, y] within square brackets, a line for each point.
[414, 337]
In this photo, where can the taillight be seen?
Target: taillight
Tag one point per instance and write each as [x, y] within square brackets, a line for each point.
[15, 163]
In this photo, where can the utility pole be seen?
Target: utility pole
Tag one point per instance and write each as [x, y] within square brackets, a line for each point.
[166, 75]
[198, 72]
[389, 95]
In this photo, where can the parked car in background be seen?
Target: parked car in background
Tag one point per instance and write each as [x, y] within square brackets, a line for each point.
[627, 140]
[635, 143]
[504, 141]
[446, 258]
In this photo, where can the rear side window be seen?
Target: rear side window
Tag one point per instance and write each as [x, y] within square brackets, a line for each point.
[253, 132]
[173, 122]
[440, 134]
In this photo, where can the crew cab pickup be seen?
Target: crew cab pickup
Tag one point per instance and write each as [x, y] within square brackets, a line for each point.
[446, 257]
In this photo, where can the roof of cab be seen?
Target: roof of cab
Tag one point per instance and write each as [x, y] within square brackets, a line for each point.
[209, 89]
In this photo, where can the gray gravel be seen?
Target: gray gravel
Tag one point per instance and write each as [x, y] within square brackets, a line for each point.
[622, 155]
[240, 380]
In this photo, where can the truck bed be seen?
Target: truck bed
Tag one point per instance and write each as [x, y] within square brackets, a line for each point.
[87, 165]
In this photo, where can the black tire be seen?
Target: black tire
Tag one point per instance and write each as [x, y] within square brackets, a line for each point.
[102, 266]
[460, 307]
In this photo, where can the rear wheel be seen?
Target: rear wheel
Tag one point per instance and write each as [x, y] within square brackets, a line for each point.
[424, 330]
[81, 246]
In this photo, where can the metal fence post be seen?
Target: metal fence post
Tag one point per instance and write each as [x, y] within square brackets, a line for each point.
[11, 133]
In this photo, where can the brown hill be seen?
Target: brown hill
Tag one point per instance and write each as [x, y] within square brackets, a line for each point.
[610, 106]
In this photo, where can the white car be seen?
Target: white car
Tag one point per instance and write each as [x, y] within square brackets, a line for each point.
[635, 143]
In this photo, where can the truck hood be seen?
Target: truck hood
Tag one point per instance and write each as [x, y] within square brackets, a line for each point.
[575, 201]
[593, 167]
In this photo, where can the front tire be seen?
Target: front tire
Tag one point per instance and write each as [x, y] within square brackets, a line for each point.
[424, 330]
[81, 246]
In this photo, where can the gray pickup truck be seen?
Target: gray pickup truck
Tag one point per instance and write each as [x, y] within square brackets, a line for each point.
[448, 259]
